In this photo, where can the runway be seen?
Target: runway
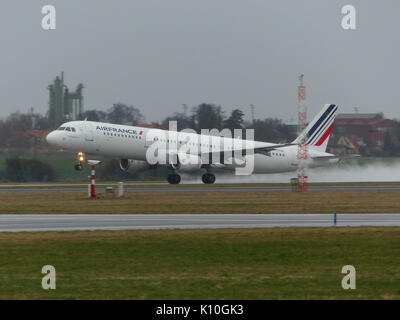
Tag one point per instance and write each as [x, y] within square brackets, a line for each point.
[199, 188]
[62, 222]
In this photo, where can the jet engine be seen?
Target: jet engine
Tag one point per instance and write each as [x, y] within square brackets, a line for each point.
[132, 166]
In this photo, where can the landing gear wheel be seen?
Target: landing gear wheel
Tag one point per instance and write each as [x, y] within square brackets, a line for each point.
[78, 167]
[208, 178]
[174, 178]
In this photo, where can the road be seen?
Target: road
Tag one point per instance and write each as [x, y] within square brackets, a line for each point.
[183, 188]
[62, 222]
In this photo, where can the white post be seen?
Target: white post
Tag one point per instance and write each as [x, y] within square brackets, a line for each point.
[120, 189]
[89, 190]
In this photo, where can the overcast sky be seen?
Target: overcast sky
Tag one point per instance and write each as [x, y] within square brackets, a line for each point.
[160, 54]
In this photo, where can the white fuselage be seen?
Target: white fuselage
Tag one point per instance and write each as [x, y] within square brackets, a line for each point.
[129, 142]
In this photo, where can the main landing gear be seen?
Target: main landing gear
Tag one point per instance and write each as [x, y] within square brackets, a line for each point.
[208, 178]
[174, 178]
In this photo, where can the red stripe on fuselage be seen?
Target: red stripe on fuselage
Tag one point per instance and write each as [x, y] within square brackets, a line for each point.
[324, 136]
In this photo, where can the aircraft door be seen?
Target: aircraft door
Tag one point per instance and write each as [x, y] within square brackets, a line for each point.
[147, 139]
[89, 136]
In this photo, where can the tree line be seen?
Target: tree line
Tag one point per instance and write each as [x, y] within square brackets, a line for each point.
[23, 170]
[203, 116]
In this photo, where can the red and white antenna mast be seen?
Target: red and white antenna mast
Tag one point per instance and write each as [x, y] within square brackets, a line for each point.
[302, 149]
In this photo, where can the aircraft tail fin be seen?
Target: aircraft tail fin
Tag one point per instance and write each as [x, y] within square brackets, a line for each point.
[317, 132]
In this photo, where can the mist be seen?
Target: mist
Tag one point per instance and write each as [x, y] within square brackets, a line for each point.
[377, 170]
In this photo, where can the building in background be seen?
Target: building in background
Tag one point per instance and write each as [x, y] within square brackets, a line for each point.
[64, 105]
[361, 133]
[153, 125]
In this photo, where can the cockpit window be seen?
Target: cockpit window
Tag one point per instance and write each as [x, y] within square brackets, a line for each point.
[67, 129]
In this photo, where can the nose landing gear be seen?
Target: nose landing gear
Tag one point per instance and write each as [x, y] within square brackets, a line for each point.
[81, 158]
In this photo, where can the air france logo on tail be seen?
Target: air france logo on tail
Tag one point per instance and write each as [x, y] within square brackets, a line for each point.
[321, 129]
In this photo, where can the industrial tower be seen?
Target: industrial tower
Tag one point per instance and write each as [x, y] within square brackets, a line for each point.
[63, 104]
[302, 149]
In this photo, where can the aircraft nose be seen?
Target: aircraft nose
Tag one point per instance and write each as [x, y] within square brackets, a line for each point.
[51, 138]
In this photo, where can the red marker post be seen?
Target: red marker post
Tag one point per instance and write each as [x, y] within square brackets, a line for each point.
[92, 183]
[93, 178]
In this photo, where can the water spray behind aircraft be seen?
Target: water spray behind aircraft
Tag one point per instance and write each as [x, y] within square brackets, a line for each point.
[374, 170]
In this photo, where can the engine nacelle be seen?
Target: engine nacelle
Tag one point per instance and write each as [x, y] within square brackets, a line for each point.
[132, 166]
[187, 163]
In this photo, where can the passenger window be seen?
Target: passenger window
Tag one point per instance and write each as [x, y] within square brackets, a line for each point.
[73, 129]
[68, 129]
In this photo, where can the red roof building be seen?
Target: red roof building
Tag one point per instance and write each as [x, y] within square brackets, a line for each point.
[360, 133]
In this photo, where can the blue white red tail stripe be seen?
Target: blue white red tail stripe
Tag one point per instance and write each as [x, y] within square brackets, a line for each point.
[318, 130]
[321, 118]
[324, 136]
[322, 125]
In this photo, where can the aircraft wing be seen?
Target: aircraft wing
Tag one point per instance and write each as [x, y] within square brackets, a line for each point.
[265, 150]
[261, 150]
[347, 156]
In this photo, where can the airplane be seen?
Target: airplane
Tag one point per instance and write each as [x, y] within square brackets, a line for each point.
[192, 152]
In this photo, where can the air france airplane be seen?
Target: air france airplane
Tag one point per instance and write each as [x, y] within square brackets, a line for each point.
[142, 148]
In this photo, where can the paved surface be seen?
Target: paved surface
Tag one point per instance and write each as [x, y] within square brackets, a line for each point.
[186, 221]
[199, 188]
[44, 185]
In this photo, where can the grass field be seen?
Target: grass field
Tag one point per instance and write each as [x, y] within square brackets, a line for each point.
[277, 263]
[204, 202]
